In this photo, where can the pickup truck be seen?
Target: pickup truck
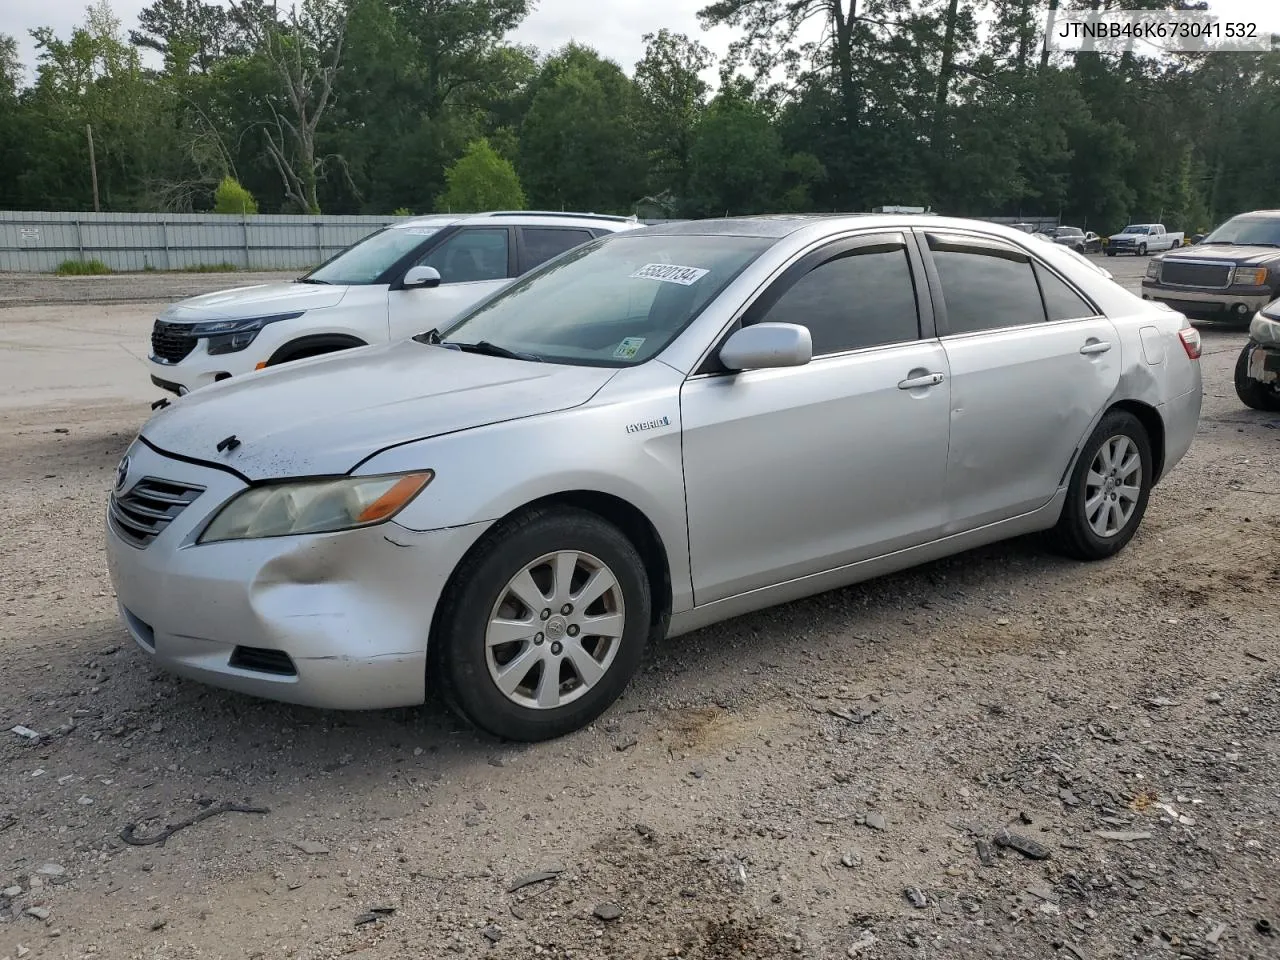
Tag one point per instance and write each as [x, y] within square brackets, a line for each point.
[1229, 275]
[1141, 239]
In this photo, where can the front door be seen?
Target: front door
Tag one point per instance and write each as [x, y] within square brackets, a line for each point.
[1032, 365]
[793, 471]
[473, 263]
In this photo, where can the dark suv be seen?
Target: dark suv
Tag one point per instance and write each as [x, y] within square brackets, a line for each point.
[1229, 275]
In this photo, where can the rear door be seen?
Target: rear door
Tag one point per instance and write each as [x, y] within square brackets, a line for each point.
[798, 470]
[1032, 364]
[473, 263]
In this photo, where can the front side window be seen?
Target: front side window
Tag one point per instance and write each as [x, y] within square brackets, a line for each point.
[614, 302]
[471, 255]
[985, 287]
[861, 299]
[365, 262]
[1247, 231]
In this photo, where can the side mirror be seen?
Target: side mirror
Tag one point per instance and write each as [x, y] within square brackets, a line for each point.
[1197, 238]
[421, 277]
[768, 345]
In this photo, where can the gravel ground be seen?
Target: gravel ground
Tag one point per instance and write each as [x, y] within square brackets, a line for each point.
[769, 787]
[20, 289]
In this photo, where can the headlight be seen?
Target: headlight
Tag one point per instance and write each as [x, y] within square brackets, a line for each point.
[228, 336]
[1153, 269]
[1249, 276]
[314, 506]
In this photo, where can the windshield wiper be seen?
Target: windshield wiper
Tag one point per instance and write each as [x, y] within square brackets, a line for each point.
[493, 350]
[310, 280]
[430, 337]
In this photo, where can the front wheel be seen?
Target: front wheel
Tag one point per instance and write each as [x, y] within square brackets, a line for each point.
[1253, 393]
[543, 626]
[1111, 253]
[1142, 250]
[1109, 488]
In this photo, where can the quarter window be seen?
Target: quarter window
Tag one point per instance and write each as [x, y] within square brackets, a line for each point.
[986, 288]
[860, 299]
[543, 243]
[471, 255]
[1060, 301]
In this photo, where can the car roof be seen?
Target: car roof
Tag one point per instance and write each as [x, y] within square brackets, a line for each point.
[775, 227]
[541, 218]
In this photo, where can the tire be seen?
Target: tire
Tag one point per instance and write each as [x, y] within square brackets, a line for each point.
[1142, 249]
[1252, 393]
[1075, 535]
[466, 666]
[1111, 253]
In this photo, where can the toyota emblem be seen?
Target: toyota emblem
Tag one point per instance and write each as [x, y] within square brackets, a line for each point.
[122, 473]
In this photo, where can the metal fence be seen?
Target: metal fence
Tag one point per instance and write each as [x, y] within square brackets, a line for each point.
[39, 242]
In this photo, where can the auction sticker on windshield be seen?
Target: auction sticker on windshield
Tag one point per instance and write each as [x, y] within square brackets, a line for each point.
[671, 273]
[628, 348]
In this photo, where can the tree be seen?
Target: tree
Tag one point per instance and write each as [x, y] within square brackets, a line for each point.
[304, 53]
[579, 145]
[230, 197]
[481, 180]
[189, 34]
[674, 97]
[737, 157]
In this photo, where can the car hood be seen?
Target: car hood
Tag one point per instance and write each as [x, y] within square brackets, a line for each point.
[259, 300]
[1129, 236]
[324, 415]
[1255, 256]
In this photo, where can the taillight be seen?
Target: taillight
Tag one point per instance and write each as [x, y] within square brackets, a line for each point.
[1190, 338]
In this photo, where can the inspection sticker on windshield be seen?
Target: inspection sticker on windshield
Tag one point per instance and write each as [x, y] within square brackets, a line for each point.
[628, 348]
[671, 273]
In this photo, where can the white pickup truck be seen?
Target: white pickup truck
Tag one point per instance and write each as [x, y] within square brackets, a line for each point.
[1141, 239]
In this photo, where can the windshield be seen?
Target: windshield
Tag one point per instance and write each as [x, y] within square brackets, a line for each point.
[613, 303]
[1140, 228]
[1069, 232]
[367, 260]
[1247, 231]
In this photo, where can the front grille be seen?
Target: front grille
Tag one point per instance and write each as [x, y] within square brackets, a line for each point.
[171, 342]
[150, 505]
[262, 660]
[1184, 273]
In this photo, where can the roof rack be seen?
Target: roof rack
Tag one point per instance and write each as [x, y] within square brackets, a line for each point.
[557, 213]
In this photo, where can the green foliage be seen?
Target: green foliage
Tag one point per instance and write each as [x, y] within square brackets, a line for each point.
[209, 268]
[481, 180]
[231, 197]
[402, 212]
[81, 268]
[366, 106]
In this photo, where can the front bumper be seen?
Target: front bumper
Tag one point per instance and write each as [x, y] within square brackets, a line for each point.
[343, 618]
[1240, 302]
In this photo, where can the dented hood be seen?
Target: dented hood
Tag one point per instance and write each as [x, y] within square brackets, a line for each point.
[325, 415]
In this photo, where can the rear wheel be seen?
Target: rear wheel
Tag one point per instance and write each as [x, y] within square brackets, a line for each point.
[1109, 488]
[1253, 393]
[544, 625]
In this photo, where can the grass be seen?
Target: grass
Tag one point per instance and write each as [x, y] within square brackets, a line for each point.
[209, 268]
[81, 268]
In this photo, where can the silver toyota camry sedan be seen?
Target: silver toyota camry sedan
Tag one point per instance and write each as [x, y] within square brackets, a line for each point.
[655, 431]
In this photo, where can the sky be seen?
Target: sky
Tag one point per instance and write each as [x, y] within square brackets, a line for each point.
[613, 27]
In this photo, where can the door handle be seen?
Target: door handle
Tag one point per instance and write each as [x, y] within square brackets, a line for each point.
[915, 383]
[1094, 347]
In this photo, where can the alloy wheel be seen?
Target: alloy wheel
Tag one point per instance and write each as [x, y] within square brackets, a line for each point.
[555, 630]
[1113, 486]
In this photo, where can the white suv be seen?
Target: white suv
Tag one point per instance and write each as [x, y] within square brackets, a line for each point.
[398, 282]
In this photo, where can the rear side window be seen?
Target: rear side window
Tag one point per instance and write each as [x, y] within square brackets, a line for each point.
[985, 288]
[543, 243]
[1060, 301]
[861, 299]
